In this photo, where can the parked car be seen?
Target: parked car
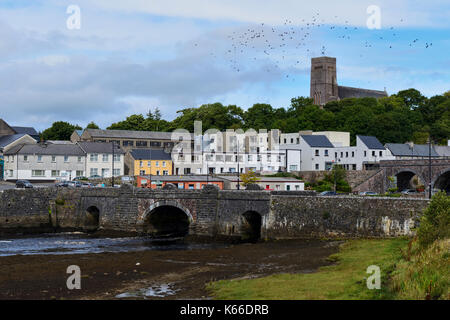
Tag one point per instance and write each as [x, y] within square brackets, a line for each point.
[62, 184]
[328, 193]
[79, 178]
[23, 184]
[409, 191]
[87, 185]
[368, 193]
[74, 184]
[95, 176]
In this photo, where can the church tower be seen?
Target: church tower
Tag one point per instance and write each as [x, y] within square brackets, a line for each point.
[323, 86]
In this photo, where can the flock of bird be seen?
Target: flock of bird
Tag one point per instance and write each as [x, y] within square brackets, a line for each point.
[286, 47]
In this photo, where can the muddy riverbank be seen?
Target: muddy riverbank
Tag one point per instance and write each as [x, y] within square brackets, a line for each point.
[155, 274]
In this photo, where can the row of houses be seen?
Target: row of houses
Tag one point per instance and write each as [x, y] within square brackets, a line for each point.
[91, 152]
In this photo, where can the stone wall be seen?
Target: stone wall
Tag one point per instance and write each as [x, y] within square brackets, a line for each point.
[350, 216]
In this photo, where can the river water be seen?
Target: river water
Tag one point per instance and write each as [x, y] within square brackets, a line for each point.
[82, 243]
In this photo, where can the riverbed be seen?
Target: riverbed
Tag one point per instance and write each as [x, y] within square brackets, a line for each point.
[142, 268]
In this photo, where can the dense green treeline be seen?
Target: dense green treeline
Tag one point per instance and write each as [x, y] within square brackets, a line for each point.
[405, 116]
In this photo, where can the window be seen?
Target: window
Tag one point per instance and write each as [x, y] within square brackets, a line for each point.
[94, 172]
[373, 154]
[39, 158]
[117, 157]
[38, 173]
[346, 154]
[292, 140]
[25, 158]
[141, 143]
[80, 173]
[116, 172]
[187, 170]
[317, 166]
[127, 143]
[342, 154]
[326, 153]
[105, 157]
[155, 144]
[79, 159]
[288, 187]
[149, 164]
[11, 173]
[164, 164]
[381, 153]
[165, 173]
[293, 167]
[297, 187]
[55, 173]
[365, 153]
[353, 154]
[191, 186]
[66, 158]
[157, 164]
[157, 172]
[335, 154]
[141, 164]
[277, 187]
[105, 172]
[94, 157]
[285, 140]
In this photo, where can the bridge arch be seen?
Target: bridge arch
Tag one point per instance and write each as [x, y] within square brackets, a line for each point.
[442, 180]
[251, 225]
[167, 218]
[92, 218]
[404, 177]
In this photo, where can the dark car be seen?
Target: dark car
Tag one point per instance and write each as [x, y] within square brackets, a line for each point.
[62, 184]
[328, 193]
[23, 184]
[410, 191]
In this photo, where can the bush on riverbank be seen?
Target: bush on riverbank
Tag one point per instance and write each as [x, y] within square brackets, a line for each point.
[423, 273]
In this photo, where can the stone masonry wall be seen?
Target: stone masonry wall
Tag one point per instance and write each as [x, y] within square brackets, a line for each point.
[297, 217]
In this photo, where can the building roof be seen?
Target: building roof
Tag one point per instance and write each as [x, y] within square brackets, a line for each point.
[443, 151]
[27, 130]
[150, 154]
[350, 92]
[185, 178]
[79, 132]
[405, 150]
[129, 134]
[317, 141]
[99, 147]
[7, 140]
[234, 178]
[47, 149]
[371, 142]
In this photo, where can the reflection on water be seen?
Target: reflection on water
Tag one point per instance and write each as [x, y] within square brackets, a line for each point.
[77, 243]
[162, 290]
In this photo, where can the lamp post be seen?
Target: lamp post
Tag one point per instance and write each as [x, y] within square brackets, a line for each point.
[238, 187]
[112, 173]
[429, 167]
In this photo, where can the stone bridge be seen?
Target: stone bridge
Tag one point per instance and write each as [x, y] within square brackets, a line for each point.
[244, 214]
[404, 170]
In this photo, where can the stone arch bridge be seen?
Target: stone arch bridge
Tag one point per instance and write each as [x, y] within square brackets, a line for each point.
[209, 212]
[404, 170]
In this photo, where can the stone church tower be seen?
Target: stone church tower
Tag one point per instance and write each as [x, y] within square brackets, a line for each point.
[324, 87]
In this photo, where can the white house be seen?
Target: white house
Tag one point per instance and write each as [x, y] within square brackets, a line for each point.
[100, 160]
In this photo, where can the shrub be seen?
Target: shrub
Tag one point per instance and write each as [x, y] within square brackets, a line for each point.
[435, 222]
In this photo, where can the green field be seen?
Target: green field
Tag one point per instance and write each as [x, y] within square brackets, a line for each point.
[346, 278]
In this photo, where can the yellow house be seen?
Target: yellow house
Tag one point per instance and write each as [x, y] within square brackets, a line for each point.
[151, 162]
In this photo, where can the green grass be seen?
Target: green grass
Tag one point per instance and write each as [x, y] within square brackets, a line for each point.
[423, 273]
[344, 280]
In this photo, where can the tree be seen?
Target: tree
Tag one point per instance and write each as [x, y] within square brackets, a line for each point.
[92, 125]
[249, 177]
[59, 130]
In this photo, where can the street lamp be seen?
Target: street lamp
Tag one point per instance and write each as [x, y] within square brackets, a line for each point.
[429, 167]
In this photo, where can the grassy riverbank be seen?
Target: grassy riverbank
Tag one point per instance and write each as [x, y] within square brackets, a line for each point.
[405, 274]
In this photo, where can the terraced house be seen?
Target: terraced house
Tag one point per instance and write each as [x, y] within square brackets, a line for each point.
[62, 161]
[149, 162]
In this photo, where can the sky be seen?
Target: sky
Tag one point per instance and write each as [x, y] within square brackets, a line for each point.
[130, 56]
